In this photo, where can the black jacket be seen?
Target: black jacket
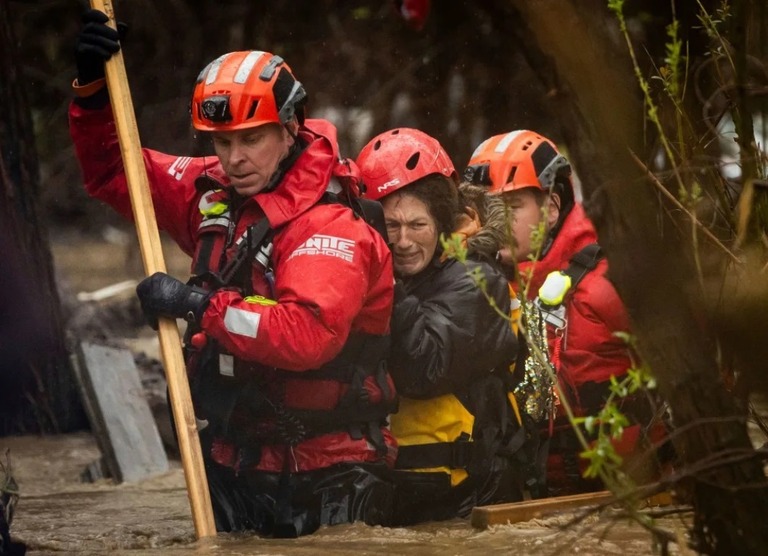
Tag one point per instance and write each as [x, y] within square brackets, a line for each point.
[445, 333]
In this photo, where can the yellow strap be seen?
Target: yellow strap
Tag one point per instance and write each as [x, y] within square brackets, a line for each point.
[260, 300]
[515, 407]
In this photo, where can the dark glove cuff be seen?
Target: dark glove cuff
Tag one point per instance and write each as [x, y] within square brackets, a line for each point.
[96, 101]
[197, 301]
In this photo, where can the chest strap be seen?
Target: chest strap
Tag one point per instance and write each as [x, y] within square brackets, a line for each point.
[254, 245]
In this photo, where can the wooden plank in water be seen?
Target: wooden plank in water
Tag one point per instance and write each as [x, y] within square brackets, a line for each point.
[502, 514]
[514, 512]
[119, 413]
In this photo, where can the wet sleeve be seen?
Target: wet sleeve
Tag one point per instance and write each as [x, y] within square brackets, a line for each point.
[171, 178]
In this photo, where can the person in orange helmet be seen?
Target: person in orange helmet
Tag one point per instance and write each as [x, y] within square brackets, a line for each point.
[290, 297]
[561, 267]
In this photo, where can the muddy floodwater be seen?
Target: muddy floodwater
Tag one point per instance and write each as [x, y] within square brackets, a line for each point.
[59, 514]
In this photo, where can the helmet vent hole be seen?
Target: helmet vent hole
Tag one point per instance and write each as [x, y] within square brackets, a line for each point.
[395, 132]
[377, 145]
[252, 110]
[512, 175]
[412, 161]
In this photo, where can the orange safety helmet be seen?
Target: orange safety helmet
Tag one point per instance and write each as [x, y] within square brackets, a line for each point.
[516, 160]
[401, 156]
[246, 89]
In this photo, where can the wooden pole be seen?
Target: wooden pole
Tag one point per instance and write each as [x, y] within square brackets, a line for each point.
[152, 255]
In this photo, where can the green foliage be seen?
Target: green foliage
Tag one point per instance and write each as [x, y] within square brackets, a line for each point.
[714, 24]
[454, 247]
[671, 73]
[609, 424]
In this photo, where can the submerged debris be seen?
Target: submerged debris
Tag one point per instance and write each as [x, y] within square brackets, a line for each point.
[9, 496]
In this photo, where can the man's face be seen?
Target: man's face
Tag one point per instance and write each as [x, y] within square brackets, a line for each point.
[251, 156]
[525, 214]
[412, 233]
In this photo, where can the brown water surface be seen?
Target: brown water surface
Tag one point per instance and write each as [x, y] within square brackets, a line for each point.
[58, 514]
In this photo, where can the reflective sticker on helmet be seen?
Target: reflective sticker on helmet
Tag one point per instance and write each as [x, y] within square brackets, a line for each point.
[242, 323]
[202, 74]
[246, 66]
[479, 149]
[508, 138]
[213, 71]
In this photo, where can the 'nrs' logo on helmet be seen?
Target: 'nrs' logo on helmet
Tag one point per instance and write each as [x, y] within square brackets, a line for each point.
[326, 245]
[390, 183]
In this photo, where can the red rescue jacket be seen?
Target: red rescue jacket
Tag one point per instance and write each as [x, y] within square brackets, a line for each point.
[332, 276]
[589, 351]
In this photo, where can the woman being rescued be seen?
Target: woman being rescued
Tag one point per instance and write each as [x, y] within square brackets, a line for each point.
[452, 351]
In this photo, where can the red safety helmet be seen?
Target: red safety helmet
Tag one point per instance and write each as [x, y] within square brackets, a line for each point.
[516, 160]
[246, 89]
[401, 156]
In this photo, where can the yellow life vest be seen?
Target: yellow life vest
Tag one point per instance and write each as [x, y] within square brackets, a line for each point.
[437, 420]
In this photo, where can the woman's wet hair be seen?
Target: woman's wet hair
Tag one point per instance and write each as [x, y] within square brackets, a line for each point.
[440, 196]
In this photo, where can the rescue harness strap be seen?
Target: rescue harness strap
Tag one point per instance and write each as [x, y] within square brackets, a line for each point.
[582, 262]
[456, 455]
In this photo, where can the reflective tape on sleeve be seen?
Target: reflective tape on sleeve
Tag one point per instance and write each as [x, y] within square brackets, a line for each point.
[242, 323]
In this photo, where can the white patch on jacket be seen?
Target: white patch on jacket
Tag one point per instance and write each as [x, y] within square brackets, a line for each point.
[178, 166]
[242, 323]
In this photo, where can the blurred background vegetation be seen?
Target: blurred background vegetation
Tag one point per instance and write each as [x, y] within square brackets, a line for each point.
[472, 71]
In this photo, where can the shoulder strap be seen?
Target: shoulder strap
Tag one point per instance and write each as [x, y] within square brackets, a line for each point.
[369, 210]
[559, 282]
[373, 214]
[255, 242]
[583, 262]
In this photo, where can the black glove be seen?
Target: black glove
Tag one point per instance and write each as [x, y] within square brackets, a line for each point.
[162, 295]
[95, 45]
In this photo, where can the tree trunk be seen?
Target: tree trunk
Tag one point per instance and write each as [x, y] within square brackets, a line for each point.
[37, 388]
[650, 259]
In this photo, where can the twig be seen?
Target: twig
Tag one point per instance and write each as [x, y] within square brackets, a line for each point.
[680, 206]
